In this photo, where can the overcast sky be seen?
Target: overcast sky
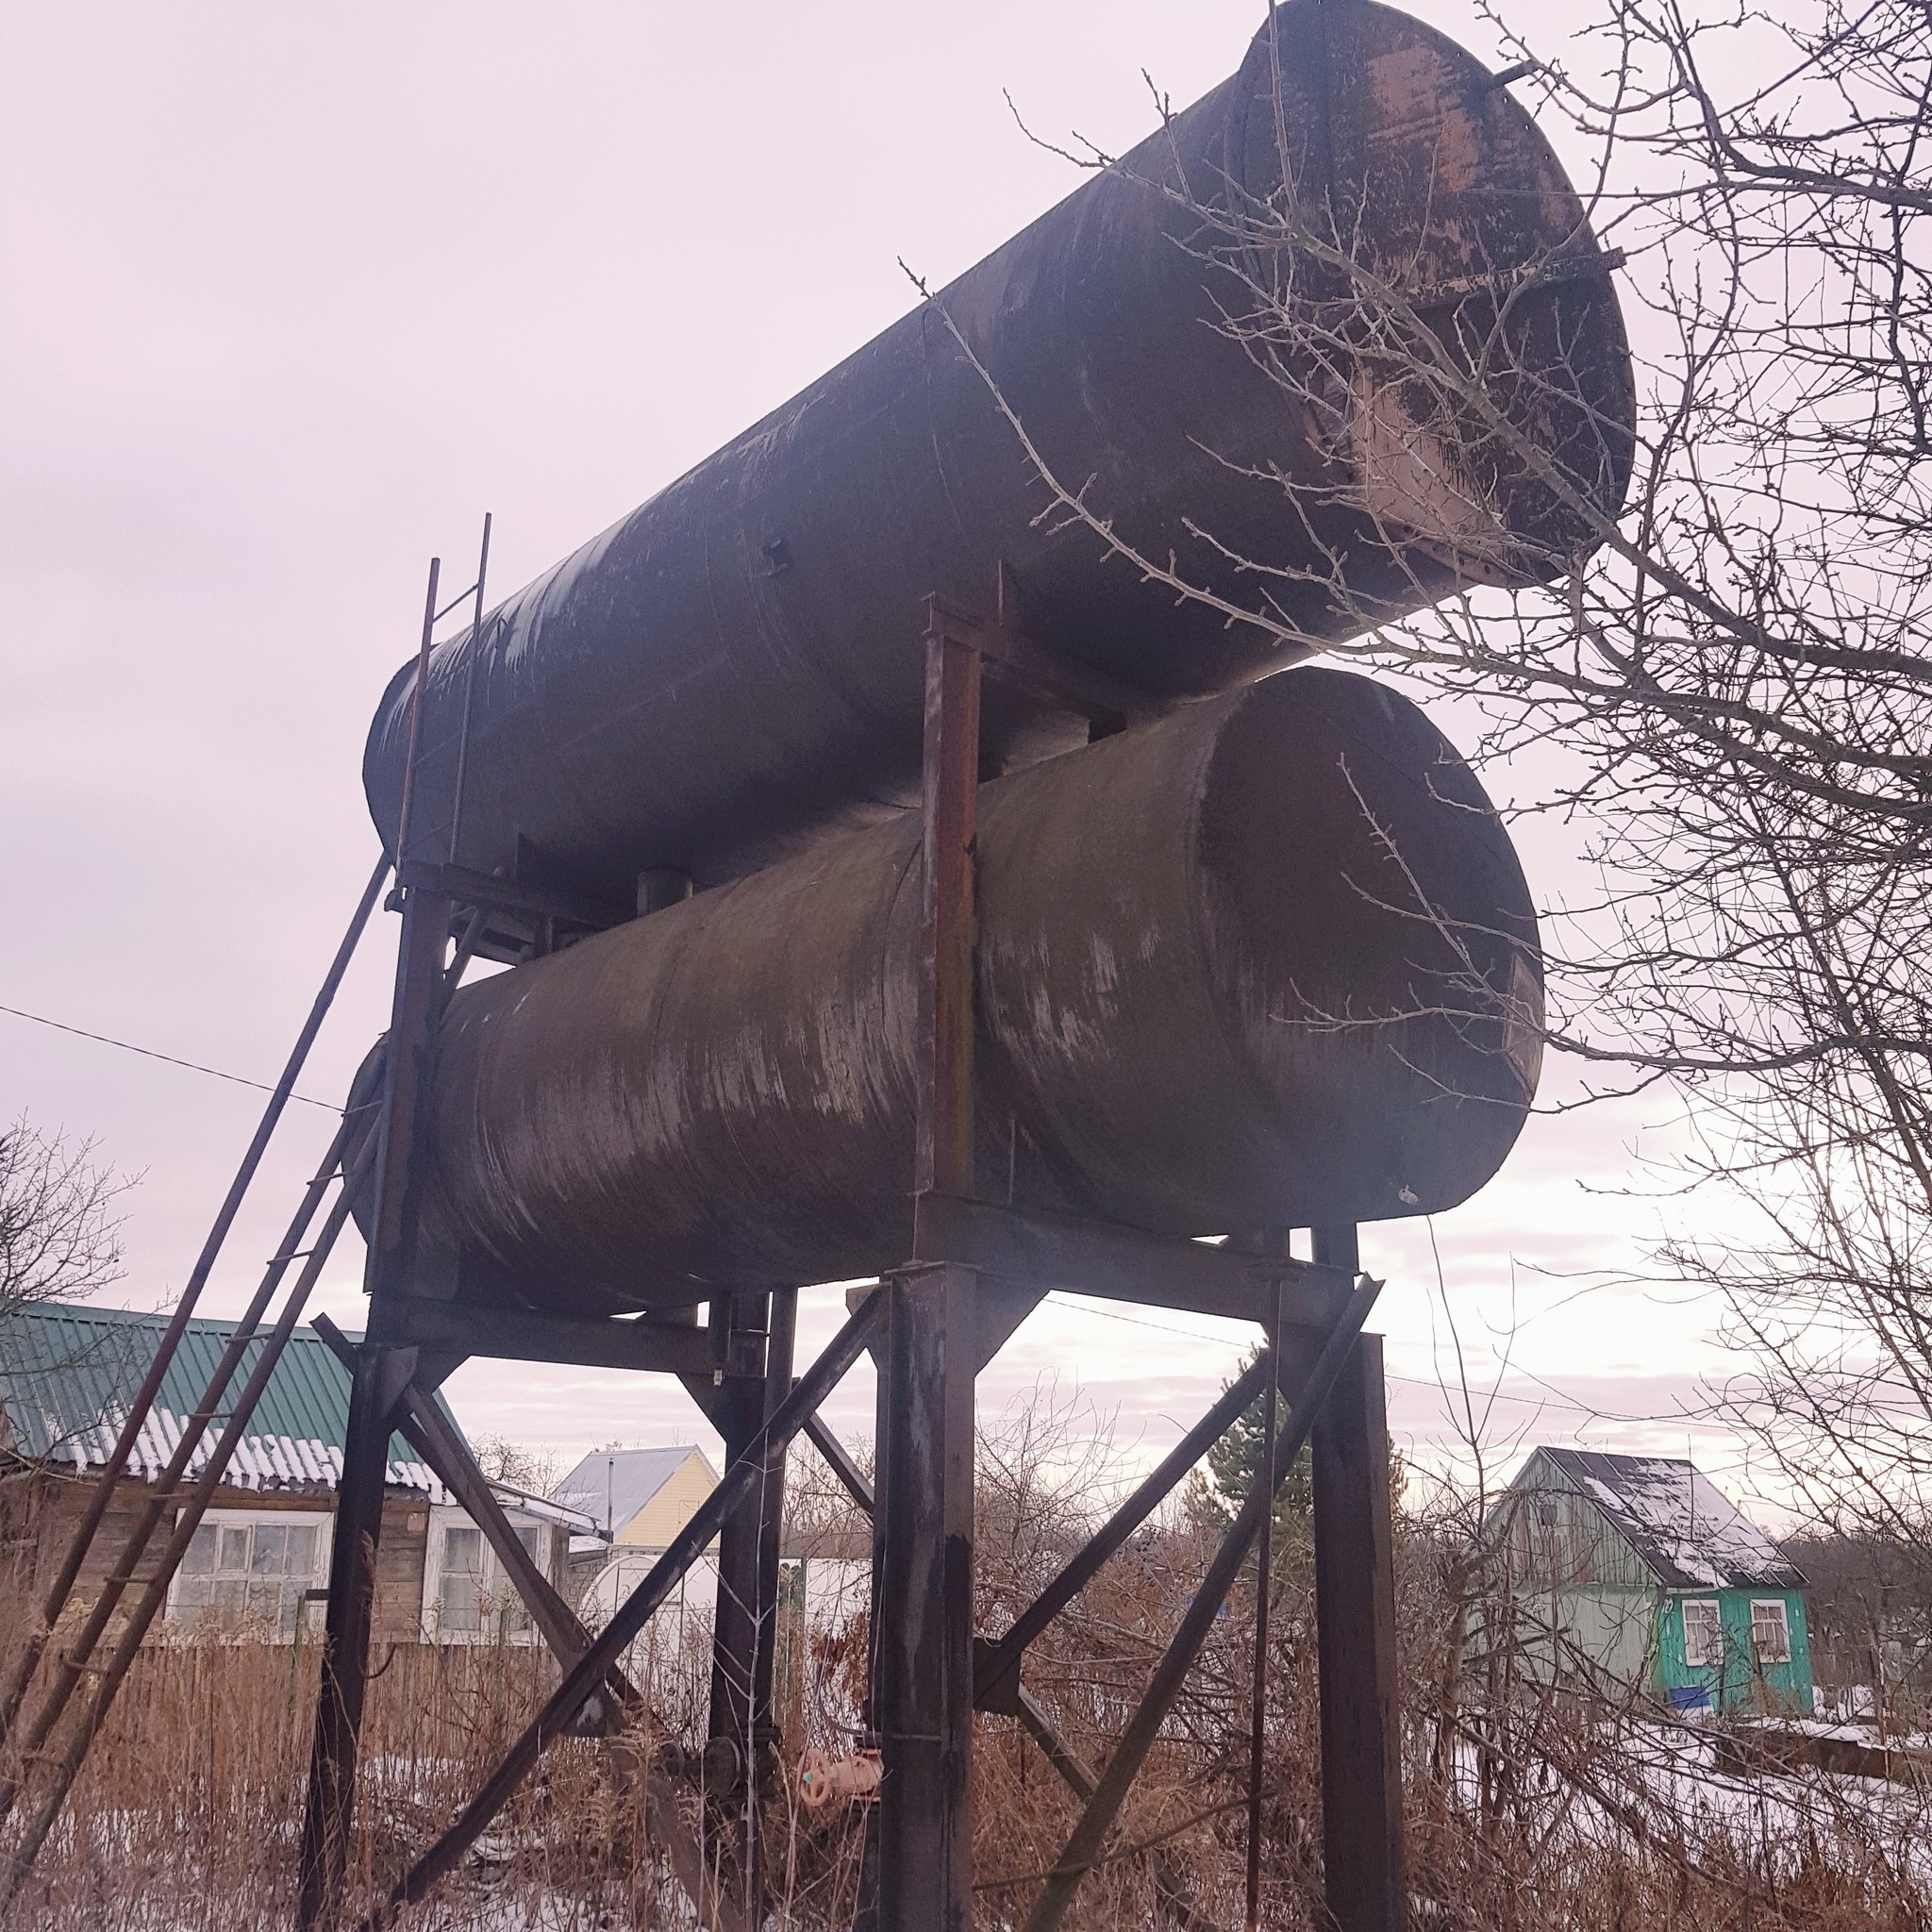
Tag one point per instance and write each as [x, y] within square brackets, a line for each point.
[291, 296]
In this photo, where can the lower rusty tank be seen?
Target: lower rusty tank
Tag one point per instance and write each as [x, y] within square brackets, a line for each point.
[1269, 959]
[735, 667]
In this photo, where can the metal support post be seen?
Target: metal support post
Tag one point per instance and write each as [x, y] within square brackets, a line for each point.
[1355, 1621]
[737, 1413]
[331, 1804]
[744, 1632]
[923, 1660]
[923, 1589]
[382, 1371]
[778, 1360]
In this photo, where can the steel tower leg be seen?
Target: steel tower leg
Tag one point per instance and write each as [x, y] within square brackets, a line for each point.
[1355, 1619]
[746, 1628]
[924, 1645]
[739, 1413]
[331, 1805]
[922, 1675]
[382, 1371]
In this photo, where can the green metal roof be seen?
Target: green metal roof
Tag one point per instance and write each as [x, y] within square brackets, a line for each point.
[68, 1374]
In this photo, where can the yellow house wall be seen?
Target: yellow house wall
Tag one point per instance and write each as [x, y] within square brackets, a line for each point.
[671, 1508]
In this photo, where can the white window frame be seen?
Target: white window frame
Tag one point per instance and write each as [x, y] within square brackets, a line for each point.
[1700, 1661]
[493, 1581]
[308, 1616]
[1784, 1624]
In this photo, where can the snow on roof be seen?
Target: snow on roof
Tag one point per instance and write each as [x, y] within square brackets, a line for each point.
[1690, 1533]
[612, 1485]
[68, 1374]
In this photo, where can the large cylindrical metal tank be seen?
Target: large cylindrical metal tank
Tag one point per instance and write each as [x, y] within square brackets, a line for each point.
[736, 665]
[1269, 959]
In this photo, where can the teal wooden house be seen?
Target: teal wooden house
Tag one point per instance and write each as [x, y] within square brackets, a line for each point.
[1639, 1570]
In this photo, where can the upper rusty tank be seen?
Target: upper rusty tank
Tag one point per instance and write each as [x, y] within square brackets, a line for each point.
[736, 665]
[1269, 960]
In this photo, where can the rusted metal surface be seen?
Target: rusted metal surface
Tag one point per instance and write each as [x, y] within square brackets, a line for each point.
[951, 827]
[733, 666]
[1269, 960]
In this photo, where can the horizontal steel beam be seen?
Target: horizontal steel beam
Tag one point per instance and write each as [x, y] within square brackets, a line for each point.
[471, 888]
[1122, 1264]
[671, 1348]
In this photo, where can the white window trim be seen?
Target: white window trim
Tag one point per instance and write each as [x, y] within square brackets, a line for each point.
[1702, 1602]
[1784, 1619]
[218, 1518]
[444, 1518]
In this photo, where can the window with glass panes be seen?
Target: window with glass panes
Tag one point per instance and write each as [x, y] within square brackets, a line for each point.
[246, 1575]
[468, 1593]
[1771, 1630]
[1703, 1636]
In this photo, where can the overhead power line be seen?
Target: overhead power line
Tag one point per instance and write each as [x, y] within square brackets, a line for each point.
[149, 1053]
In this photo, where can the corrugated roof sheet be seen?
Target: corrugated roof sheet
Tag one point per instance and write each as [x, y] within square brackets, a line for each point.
[1691, 1535]
[612, 1485]
[69, 1373]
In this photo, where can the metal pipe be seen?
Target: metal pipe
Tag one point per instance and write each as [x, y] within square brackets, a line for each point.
[1095, 1822]
[455, 807]
[412, 731]
[28, 1660]
[734, 667]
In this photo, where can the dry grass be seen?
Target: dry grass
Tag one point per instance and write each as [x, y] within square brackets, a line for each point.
[1528, 1808]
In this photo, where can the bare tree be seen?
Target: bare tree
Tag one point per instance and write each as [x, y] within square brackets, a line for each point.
[59, 1236]
[1726, 681]
[532, 1467]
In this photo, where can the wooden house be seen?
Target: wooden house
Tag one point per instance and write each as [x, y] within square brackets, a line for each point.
[259, 1563]
[1638, 1569]
[638, 1498]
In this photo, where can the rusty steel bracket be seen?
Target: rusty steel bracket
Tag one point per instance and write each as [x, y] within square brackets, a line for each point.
[487, 891]
[1108, 704]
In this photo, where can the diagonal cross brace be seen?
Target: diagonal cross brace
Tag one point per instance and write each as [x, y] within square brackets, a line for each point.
[1000, 1661]
[1083, 1847]
[583, 1678]
[428, 1432]
[1074, 1770]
